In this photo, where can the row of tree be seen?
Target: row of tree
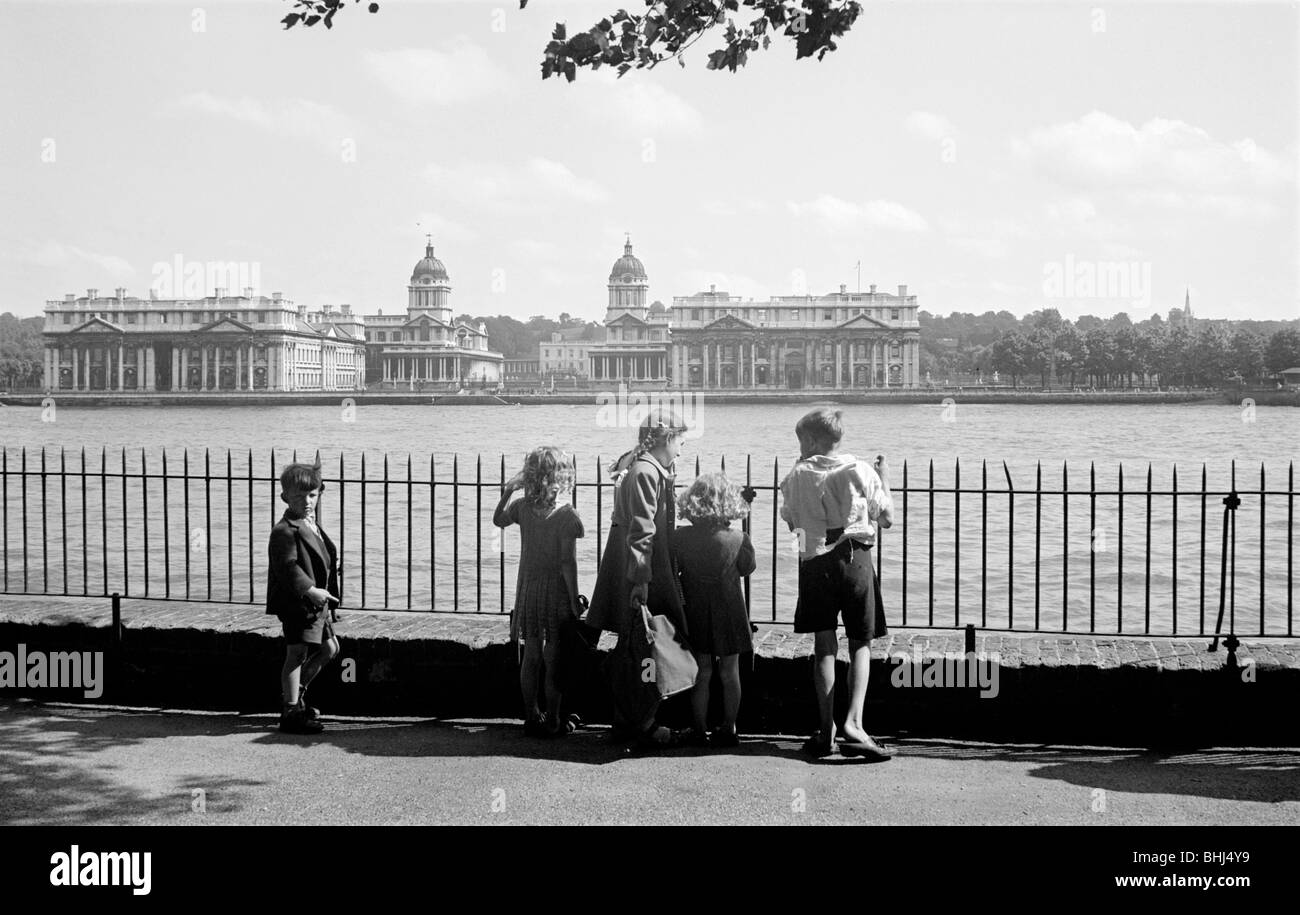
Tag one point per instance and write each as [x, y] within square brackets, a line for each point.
[1113, 352]
[515, 339]
[21, 352]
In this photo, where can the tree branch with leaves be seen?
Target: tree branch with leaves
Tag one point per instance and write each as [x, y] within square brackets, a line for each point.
[664, 31]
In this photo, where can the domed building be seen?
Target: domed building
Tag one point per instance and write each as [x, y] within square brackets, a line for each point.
[636, 333]
[426, 347]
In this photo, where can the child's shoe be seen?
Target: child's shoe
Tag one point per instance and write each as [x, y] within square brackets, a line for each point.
[295, 721]
[310, 711]
[696, 738]
[723, 738]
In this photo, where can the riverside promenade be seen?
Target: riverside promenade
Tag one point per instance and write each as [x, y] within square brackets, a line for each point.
[1089, 730]
[1077, 688]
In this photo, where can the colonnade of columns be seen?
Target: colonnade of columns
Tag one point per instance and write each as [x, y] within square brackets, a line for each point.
[629, 367]
[737, 363]
[417, 368]
[284, 365]
[101, 366]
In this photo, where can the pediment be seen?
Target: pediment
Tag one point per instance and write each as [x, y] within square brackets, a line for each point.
[626, 318]
[862, 322]
[425, 320]
[226, 325]
[730, 322]
[97, 325]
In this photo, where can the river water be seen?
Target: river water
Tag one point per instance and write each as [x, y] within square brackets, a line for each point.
[1072, 556]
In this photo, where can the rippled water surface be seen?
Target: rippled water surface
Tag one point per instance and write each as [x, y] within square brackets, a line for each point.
[1011, 558]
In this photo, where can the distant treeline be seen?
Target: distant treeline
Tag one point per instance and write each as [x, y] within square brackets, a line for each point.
[515, 339]
[1106, 352]
[22, 356]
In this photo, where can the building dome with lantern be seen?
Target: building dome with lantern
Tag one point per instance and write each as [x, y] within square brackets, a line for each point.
[430, 289]
[426, 348]
[429, 267]
[628, 267]
[628, 282]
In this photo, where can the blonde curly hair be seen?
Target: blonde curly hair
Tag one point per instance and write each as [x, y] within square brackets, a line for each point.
[548, 474]
[713, 499]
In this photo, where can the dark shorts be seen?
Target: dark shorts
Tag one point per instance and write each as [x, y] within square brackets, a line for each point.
[841, 582]
[301, 629]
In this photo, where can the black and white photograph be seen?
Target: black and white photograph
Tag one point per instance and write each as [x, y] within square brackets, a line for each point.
[689, 412]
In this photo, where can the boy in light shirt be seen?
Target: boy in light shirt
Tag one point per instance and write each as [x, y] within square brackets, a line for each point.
[833, 502]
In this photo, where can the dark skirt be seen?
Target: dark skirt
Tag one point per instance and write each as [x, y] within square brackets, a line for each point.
[717, 621]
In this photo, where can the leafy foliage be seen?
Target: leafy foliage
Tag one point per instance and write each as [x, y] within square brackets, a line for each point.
[21, 352]
[1110, 352]
[628, 40]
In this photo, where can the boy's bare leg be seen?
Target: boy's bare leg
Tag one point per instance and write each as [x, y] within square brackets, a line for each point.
[528, 671]
[700, 695]
[730, 691]
[290, 673]
[324, 653]
[826, 645]
[859, 672]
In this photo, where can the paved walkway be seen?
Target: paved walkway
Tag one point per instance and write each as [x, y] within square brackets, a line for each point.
[73, 765]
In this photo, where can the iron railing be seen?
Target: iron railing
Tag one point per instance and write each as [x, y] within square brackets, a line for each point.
[1116, 555]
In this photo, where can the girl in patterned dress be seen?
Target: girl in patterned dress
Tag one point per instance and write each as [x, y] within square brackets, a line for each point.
[547, 591]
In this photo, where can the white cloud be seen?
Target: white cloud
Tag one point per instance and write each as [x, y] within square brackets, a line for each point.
[556, 178]
[489, 184]
[1101, 151]
[461, 71]
[650, 108]
[837, 215]
[54, 254]
[294, 117]
[1235, 206]
[929, 125]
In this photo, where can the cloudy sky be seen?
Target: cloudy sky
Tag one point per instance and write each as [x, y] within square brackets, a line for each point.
[986, 155]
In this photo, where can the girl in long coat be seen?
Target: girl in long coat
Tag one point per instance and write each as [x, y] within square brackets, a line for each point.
[637, 565]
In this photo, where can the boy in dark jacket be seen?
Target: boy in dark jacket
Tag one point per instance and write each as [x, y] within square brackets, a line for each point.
[302, 587]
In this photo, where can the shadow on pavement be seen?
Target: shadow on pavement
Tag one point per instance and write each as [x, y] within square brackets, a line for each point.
[1265, 775]
[44, 778]
[435, 738]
